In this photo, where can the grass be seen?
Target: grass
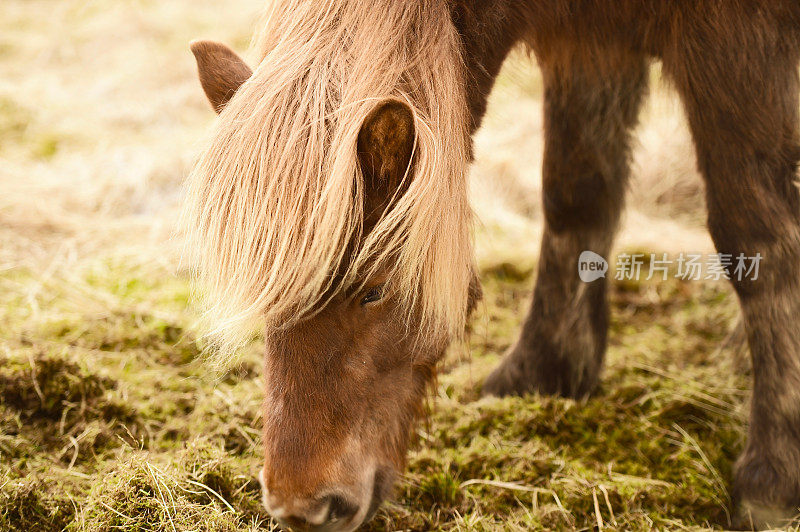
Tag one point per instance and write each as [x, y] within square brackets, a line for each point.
[103, 413]
[110, 421]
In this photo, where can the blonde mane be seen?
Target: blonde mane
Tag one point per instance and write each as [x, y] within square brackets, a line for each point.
[277, 196]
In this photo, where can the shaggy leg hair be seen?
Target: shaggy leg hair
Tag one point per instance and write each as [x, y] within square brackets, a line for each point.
[745, 127]
[588, 118]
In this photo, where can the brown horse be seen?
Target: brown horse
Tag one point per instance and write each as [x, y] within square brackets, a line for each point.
[332, 204]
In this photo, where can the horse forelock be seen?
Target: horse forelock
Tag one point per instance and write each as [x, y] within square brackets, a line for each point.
[276, 199]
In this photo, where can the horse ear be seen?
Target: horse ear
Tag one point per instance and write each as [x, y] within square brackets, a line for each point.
[385, 146]
[221, 71]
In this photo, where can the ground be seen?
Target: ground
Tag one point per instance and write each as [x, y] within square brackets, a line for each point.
[109, 418]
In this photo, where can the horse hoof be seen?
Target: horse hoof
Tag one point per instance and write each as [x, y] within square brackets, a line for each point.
[522, 372]
[764, 499]
[754, 515]
[506, 380]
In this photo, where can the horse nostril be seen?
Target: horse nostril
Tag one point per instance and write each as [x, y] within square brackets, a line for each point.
[340, 509]
[326, 514]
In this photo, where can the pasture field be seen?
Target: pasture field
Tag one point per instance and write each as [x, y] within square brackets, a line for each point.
[110, 420]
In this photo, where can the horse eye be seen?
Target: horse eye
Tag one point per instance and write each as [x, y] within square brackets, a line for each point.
[373, 294]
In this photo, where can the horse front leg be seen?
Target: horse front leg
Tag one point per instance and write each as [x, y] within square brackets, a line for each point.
[589, 113]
